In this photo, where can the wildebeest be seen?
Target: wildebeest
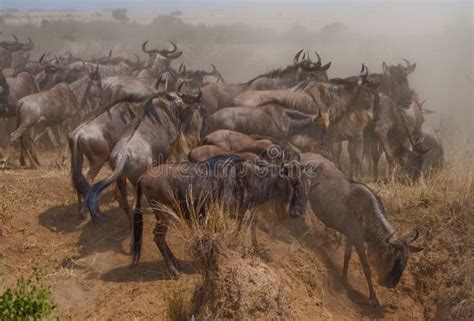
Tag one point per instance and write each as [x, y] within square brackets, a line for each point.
[95, 140]
[160, 61]
[276, 123]
[242, 143]
[148, 140]
[354, 210]
[204, 152]
[394, 82]
[201, 77]
[7, 50]
[349, 103]
[220, 95]
[430, 141]
[49, 108]
[237, 183]
[397, 132]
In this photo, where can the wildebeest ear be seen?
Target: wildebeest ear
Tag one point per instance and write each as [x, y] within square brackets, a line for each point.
[411, 68]
[325, 67]
[385, 68]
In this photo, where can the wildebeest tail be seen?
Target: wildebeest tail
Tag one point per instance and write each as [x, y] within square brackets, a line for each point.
[81, 185]
[93, 194]
[137, 225]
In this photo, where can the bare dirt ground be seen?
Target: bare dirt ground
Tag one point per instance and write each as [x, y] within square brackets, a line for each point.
[87, 265]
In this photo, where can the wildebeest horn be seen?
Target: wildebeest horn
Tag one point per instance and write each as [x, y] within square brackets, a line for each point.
[138, 62]
[412, 237]
[41, 58]
[182, 69]
[178, 90]
[14, 36]
[29, 46]
[166, 51]
[319, 58]
[213, 72]
[158, 82]
[407, 62]
[297, 57]
[145, 50]
[364, 72]
[199, 95]
[110, 53]
[386, 71]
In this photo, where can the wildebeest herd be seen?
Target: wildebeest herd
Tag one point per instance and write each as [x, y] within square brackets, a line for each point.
[181, 134]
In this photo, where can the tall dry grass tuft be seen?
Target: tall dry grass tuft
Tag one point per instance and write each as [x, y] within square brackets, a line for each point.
[235, 284]
[205, 218]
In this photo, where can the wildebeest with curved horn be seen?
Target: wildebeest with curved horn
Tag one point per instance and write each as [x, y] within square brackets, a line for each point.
[349, 103]
[356, 211]
[148, 140]
[230, 179]
[220, 95]
[160, 61]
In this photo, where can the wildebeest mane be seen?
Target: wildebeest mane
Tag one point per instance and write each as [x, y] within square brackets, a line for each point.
[285, 72]
[150, 111]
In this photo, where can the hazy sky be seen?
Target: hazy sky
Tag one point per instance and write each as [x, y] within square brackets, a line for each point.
[194, 4]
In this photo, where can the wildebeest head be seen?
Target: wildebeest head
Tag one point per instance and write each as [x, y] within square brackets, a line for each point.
[395, 83]
[191, 114]
[390, 261]
[154, 54]
[309, 69]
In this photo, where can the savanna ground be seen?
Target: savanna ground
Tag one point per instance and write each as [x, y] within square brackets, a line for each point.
[87, 265]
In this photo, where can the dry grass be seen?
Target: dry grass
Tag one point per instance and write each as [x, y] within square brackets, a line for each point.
[442, 206]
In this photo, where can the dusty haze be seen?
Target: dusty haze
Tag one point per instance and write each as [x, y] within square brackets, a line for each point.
[245, 41]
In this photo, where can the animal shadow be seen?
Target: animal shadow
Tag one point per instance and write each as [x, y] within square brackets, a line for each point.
[146, 272]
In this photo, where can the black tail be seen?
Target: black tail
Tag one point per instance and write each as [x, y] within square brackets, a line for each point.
[93, 194]
[137, 225]
[81, 185]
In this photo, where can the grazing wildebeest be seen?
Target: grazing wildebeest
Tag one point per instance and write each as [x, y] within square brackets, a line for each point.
[242, 143]
[230, 179]
[204, 152]
[148, 140]
[354, 210]
[220, 95]
[278, 124]
[397, 132]
[430, 141]
[49, 108]
[95, 140]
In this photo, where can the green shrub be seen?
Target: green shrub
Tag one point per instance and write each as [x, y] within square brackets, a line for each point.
[27, 300]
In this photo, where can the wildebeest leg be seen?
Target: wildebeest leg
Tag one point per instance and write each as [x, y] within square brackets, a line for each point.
[122, 186]
[355, 155]
[336, 153]
[95, 165]
[376, 152]
[160, 239]
[365, 265]
[31, 151]
[347, 258]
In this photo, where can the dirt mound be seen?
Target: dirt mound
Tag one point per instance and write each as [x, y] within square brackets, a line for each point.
[235, 287]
